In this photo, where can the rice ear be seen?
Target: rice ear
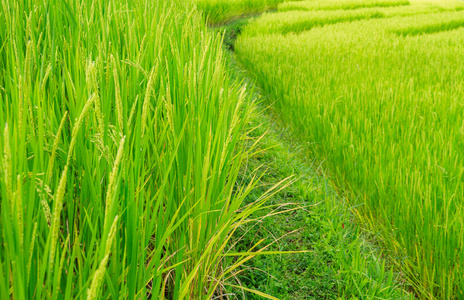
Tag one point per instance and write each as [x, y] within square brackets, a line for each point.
[92, 293]
[7, 168]
[59, 200]
[119, 109]
[77, 126]
[113, 176]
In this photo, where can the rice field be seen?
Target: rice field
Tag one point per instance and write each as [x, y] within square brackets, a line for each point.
[125, 143]
[297, 21]
[121, 140]
[375, 89]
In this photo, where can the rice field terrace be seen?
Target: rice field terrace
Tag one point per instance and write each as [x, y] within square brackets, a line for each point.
[375, 89]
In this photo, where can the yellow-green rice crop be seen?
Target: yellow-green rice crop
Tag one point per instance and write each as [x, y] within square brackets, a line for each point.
[298, 21]
[121, 141]
[381, 100]
[431, 24]
[339, 4]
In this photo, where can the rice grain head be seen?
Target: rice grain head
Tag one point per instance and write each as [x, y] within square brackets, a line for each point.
[7, 168]
[56, 142]
[113, 176]
[31, 249]
[27, 85]
[59, 200]
[92, 293]
[146, 102]
[19, 210]
[77, 126]
[119, 109]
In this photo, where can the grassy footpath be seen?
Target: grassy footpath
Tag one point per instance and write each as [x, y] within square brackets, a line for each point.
[343, 261]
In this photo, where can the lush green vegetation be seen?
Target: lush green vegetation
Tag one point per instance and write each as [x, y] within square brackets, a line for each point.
[221, 11]
[121, 140]
[218, 12]
[132, 164]
[343, 262]
[381, 100]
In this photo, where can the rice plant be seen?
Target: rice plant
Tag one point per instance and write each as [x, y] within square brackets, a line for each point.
[121, 141]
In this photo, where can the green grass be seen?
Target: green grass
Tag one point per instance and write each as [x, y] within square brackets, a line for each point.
[385, 111]
[122, 137]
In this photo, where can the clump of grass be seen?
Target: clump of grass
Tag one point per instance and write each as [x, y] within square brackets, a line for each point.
[384, 111]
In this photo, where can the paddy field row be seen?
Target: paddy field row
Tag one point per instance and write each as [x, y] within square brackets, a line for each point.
[375, 88]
